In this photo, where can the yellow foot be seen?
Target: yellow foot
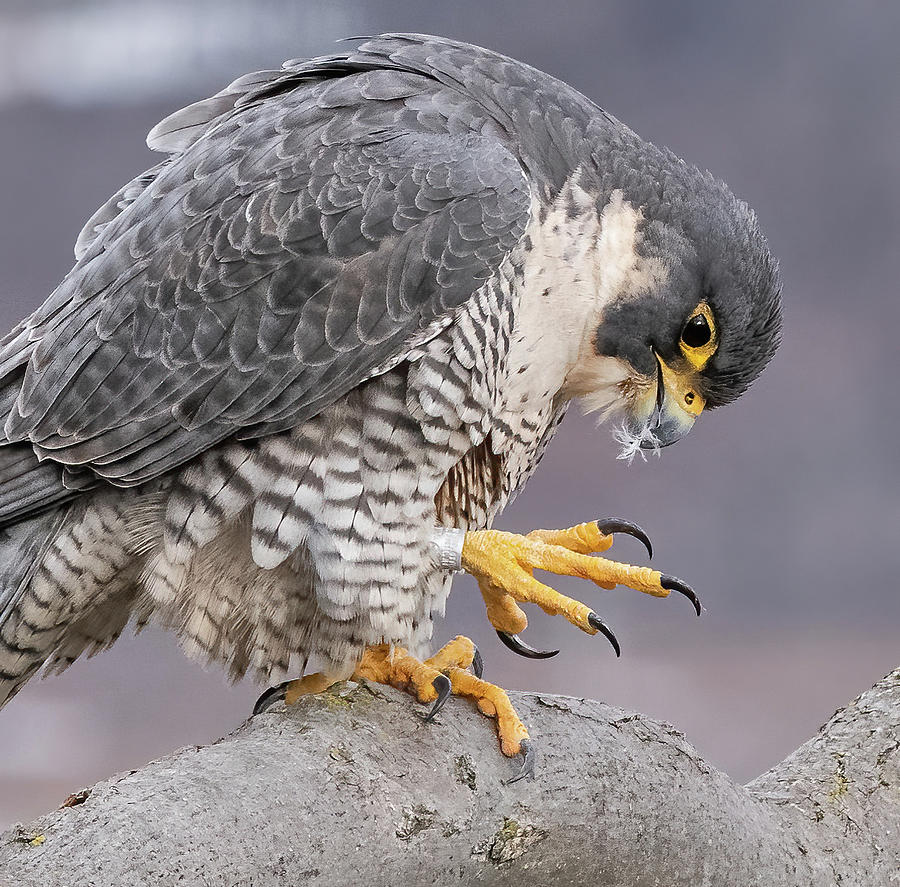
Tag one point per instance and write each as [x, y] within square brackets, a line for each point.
[434, 680]
[442, 675]
[504, 564]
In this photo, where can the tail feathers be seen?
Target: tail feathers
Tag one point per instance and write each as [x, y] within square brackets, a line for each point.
[30, 628]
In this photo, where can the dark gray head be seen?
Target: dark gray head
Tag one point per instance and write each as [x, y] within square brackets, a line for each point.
[698, 330]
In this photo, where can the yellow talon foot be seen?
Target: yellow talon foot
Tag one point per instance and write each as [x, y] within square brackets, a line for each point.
[504, 564]
[493, 702]
[434, 680]
[384, 664]
[444, 674]
[310, 683]
[290, 691]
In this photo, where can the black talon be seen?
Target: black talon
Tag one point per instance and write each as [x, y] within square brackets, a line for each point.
[604, 629]
[615, 525]
[442, 684]
[517, 645]
[477, 664]
[270, 697]
[670, 583]
[528, 758]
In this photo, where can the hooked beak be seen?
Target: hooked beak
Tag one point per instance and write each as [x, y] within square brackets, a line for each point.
[678, 403]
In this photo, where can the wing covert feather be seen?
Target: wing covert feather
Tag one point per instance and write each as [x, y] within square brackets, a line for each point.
[300, 241]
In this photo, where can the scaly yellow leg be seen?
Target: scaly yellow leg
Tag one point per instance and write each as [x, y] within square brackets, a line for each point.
[492, 701]
[433, 680]
[309, 683]
[383, 664]
[504, 564]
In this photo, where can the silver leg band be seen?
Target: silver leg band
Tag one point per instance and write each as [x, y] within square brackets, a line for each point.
[447, 543]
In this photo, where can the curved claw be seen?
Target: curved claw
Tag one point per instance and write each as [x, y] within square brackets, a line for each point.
[605, 630]
[615, 525]
[528, 758]
[477, 664]
[517, 645]
[442, 685]
[269, 698]
[670, 583]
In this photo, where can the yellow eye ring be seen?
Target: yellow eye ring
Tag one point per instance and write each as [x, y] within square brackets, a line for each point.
[699, 338]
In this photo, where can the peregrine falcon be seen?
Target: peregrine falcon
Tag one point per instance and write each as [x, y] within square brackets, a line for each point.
[302, 363]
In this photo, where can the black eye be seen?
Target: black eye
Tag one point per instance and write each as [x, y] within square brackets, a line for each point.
[696, 332]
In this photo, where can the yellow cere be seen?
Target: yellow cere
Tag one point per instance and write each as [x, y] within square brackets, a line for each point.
[681, 387]
[699, 357]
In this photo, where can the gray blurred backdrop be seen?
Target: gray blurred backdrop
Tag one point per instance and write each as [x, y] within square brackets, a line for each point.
[782, 510]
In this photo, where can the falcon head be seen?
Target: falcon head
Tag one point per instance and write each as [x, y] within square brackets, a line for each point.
[695, 311]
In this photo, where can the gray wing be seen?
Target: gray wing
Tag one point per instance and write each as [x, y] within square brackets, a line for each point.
[295, 246]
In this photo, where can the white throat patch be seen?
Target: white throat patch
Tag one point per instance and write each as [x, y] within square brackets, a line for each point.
[579, 263]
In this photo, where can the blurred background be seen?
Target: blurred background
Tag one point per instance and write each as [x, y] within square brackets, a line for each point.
[783, 511]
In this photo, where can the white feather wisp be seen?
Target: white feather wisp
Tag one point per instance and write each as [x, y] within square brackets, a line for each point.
[635, 444]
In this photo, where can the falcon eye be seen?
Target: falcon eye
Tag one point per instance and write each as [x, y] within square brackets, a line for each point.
[696, 332]
[699, 339]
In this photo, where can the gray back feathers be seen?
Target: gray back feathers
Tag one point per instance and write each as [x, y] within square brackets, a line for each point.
[310, 228]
